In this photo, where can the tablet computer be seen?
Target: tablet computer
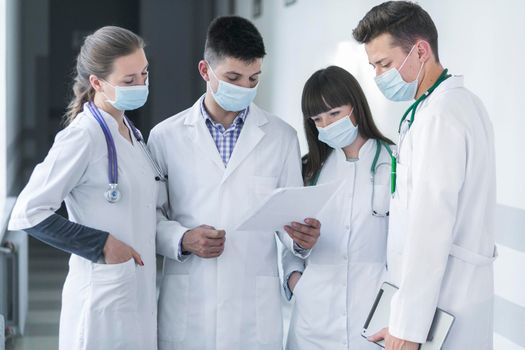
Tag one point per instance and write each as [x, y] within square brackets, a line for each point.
[379, 316]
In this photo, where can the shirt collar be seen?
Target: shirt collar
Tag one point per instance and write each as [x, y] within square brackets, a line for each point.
[240, 118]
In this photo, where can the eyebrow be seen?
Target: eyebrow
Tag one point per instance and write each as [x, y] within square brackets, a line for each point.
[378, 61]
[331, 110]
[239, 74]
[132, 75]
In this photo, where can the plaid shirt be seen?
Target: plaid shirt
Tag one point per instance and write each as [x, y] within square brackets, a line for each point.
[225, 139]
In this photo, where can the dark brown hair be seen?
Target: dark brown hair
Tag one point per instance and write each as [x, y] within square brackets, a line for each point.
[329, 88]
[97, 55]
[405, 21]
[233, 36]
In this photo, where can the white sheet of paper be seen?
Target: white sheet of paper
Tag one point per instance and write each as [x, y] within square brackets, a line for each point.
[289, 204]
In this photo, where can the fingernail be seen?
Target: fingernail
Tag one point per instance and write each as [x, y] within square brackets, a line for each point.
[295, 225]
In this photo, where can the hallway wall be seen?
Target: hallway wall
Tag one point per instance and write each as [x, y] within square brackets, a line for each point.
[478, 38]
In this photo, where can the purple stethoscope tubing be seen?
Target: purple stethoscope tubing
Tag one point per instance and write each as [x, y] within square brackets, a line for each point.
[113, 193]
[112, 151]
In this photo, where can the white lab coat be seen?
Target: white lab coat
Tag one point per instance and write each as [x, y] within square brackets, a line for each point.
[103, 306]
[345, 268]
[441, 237]
[232, 302]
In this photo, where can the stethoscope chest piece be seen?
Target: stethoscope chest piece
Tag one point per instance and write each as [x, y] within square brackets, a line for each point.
[112, 194]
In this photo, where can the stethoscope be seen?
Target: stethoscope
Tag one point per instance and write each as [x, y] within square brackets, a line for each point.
[113, 194]
[373, 172]
[405, 124]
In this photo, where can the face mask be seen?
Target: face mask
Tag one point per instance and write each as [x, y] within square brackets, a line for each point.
[128, 98]
[393, 86]
[232, 98]
[339, 134]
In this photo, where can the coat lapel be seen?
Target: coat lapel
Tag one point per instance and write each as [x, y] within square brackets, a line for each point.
[200, 136]
[251, 135]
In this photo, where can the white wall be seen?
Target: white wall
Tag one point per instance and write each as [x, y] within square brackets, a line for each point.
[480, 39]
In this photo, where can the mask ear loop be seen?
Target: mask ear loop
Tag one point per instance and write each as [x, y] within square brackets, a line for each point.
[114, 88]
[418, 73]
[406, 58]
[216, 78]
[350, 114]
[212, 71]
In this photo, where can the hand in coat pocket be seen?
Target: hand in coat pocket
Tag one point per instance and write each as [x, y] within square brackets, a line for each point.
[118, 252]
[293, 279]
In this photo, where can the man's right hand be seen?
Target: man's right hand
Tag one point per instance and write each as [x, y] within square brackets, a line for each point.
[117, 252]
[204, 241]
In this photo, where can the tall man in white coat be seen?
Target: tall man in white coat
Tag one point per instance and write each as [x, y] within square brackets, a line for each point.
[220, 287]
[441, 233]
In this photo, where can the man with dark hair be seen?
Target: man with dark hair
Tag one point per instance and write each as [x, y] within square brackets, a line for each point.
[223, 156]
[441, 232]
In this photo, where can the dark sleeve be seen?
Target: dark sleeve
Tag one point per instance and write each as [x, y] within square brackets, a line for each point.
[70, 237]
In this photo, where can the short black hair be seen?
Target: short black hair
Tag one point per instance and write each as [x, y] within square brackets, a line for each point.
[233, 36]
[405, 21]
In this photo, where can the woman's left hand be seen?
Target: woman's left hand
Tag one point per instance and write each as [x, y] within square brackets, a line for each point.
[305, 235]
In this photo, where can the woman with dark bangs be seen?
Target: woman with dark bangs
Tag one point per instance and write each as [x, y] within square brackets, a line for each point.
[336, 285]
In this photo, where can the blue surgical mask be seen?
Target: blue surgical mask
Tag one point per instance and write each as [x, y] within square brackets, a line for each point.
[339, 134]
[128, 98]
[393, 86]
[230, 97]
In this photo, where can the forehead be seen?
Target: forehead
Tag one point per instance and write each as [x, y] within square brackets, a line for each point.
[230, 64]
[131, 63]
[380, 47]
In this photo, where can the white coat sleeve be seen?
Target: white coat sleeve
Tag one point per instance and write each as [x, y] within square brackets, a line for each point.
[291, 263]
[291, 177]
[437, 172]
[169, 232]
[53, 179]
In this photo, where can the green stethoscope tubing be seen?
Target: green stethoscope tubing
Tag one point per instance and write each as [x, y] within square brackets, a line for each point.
[412, 111]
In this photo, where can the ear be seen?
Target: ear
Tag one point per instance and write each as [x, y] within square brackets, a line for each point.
[203, 70]
[424, 51]
[95, 82]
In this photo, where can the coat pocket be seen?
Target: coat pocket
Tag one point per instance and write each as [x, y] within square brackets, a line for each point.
[111, 317]
[173, 307]
[268, 310]
[316, 301]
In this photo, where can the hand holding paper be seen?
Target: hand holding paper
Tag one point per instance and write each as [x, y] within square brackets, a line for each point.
[304, 235]
[287, 205]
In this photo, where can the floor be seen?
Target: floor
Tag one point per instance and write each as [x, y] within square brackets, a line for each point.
[47, 272]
